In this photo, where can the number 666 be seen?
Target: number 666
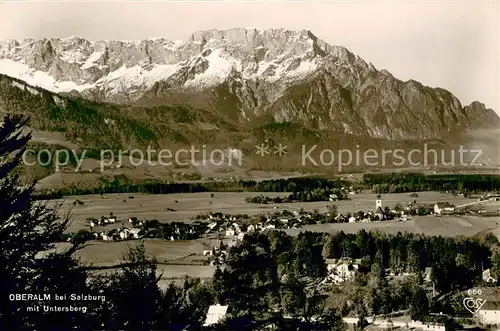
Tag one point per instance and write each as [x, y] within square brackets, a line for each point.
[474, 292]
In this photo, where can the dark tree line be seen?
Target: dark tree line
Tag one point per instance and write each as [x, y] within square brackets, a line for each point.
[302, 188]
[311, 195]
[300, 185]
[412, 182]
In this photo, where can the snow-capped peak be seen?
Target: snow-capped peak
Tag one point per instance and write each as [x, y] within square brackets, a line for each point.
[114, 68]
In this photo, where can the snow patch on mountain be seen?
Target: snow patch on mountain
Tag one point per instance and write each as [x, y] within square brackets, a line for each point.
[91, 60]
[294, 68]
[72, 56]
[38, 78]
[219, 66]
[134, 79]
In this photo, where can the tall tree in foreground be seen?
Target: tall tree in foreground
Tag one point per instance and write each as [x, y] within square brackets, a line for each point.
[28, 228]
[132, 294]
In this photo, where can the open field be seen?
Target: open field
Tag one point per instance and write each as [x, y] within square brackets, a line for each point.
[176, 259]
[189, 205]
[174, 273]
[108, 253]
[446, 226]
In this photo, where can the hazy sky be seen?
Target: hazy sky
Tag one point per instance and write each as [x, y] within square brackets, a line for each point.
[450, 44]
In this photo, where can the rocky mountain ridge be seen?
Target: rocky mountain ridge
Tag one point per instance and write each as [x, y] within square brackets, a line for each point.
[247, 76]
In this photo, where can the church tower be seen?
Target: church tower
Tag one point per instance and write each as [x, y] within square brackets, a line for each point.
[378, 202]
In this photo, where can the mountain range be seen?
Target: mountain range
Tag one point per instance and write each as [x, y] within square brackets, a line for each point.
[222, 86]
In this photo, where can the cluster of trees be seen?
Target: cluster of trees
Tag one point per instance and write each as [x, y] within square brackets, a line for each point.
[266, 276]
[311, 195]
[262, 199]
[319, 194]
[272, 273]
[412, 182]
[298, 184]
[456, 262]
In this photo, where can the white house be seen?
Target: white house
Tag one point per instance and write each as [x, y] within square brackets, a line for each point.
[207, 252]
[124, 234]
[230, 232]
[443, 206]
[489, 313]
[270, 226]
[352, 219]
[241, 235]
[340, 272]
[216, 314]
[347, 271]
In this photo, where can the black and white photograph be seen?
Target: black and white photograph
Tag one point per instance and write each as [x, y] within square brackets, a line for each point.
[249, 165]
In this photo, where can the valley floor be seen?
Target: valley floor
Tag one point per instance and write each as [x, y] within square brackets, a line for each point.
[178, 259]
[188, 205]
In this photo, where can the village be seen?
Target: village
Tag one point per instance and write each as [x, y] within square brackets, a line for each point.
[234, 226]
